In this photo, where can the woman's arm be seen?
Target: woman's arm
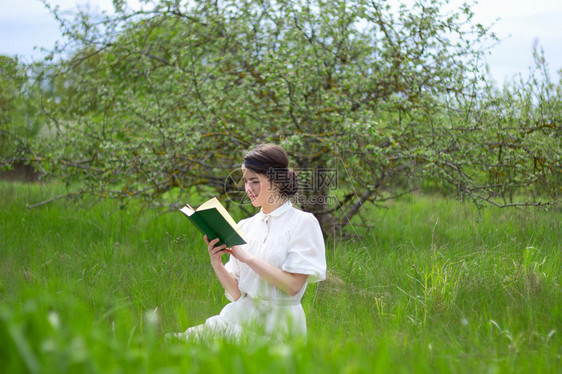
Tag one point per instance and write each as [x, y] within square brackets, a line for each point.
[289, 283]
[229, 283]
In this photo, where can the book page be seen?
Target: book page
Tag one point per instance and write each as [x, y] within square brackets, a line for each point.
[215, 203]
[187, 210]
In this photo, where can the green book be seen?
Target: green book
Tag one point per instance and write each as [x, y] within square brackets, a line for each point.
[213, 220]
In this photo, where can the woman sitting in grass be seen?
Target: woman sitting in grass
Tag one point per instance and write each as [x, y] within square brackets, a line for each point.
[266, 278]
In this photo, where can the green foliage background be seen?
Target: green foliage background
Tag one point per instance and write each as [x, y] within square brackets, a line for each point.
[155, 106]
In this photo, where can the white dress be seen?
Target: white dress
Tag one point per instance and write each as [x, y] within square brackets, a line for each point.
[289, 239]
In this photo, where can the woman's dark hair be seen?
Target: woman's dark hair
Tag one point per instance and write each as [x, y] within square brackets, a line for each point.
[272, 160]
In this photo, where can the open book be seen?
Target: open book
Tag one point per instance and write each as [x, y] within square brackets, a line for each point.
[213, 220]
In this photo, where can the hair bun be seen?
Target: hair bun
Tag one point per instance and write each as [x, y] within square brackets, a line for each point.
[290, 183]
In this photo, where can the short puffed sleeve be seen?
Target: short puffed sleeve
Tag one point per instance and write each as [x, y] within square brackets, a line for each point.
[306, 254]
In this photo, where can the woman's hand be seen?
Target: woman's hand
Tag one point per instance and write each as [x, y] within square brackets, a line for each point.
[215, 252]
[239, 253]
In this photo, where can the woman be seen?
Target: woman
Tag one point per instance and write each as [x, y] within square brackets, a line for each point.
[266, 278]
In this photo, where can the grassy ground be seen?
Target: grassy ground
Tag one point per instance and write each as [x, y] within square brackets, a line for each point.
[435, 286]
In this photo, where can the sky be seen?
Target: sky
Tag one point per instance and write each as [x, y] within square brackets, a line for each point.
[26, 26]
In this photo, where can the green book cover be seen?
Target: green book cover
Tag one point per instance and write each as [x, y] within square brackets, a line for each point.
[213, 220]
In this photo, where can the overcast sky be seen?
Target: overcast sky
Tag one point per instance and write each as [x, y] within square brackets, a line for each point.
[26, 26]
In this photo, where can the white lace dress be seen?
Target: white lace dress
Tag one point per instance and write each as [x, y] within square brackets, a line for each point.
[289, 239]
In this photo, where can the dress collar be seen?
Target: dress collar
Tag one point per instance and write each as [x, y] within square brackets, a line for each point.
[278, 211]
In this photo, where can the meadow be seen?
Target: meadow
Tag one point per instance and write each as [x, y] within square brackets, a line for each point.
[434, 286]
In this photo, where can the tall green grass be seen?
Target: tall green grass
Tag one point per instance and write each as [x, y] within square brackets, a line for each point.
[433, 286]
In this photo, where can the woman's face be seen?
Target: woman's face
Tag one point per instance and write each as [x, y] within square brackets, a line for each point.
[258, 188]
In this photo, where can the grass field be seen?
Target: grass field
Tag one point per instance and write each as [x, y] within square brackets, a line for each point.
[434, 287]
